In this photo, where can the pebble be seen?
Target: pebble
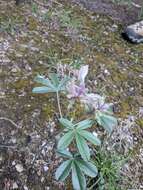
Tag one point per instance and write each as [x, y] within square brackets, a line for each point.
[46, 168]
[25, 187]
[14, 186]
[95, 134]
[19, 168]
[15, 70]
[42, 179]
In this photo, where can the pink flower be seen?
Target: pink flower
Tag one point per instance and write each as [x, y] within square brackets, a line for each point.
[82, 74]
[76, 87]
[95, 102]
[74, 90]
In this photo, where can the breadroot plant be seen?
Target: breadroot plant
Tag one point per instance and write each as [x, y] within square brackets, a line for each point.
[74, 143]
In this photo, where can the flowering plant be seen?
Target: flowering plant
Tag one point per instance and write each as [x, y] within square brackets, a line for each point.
[72, 83]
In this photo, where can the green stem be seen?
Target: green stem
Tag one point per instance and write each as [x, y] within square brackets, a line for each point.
[59, 106]
[94, 184]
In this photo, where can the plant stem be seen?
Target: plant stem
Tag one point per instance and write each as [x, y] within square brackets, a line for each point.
[59, 106]
[94, 184]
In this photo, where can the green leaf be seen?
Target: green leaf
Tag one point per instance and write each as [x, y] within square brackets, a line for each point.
[78, 179]
[82, 147]
[42, 90]
[108, 122]
[84, 124]
[54, 78]
[64, 153]
[66, 140]
[42, 80]
[66, 123]
[53, 85]
[63, 171]
[87, 167]
[63, 83]
[90, 137]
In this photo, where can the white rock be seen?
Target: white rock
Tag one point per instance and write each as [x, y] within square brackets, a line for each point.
[19, 168]
[13, 163]
[46, 168]
[95, 134]
[14, 186]
[25, 187]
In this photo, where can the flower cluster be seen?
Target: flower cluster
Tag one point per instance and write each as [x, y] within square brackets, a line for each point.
[76, 88]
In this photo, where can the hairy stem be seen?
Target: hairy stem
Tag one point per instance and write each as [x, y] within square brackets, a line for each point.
[59, 106]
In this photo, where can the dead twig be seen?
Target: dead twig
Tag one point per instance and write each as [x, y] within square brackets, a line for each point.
[7, 146]
[9, 120]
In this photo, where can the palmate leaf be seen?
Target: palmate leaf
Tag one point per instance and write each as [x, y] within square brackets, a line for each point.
[78, 179]
[82, 147]
[44, 81]
[63, 171]
[66, 123]
[90, 137]
[54, 79]
[65, 140]
[84, 124]
[108, 122]
[64, 153]
[78, 167]
[43, 90]
[59, 84]
[77, 132]
[63, 82]
[87, 167]
[52, 85]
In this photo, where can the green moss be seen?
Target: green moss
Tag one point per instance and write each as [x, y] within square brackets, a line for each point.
[48, 111]
[140, 122]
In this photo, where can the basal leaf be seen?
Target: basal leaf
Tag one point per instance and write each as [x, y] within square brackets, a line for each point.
[87, 167]
[90, 137]
[66, 123]
[82, 147]
[42, 90]
[84, 124]
[64, 153]
[66, 140]
[78, 179]
[106, 121]
[63, 171]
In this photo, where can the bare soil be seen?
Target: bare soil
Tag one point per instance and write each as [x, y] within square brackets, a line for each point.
[119, 12]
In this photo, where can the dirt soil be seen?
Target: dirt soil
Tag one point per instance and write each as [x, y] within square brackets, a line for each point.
[123, 13]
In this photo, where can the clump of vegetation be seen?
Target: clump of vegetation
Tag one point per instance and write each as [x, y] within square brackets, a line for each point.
[75, 138]
[109, 166]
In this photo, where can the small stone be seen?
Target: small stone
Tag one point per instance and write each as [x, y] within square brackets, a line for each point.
[28, 68]
[13, 163]
[19, 168]
[46, 168]
[95, 134]
[106, 72]
[141, 112]
[42, 179]
[25, 187]
[15, 70]
[14, 186]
